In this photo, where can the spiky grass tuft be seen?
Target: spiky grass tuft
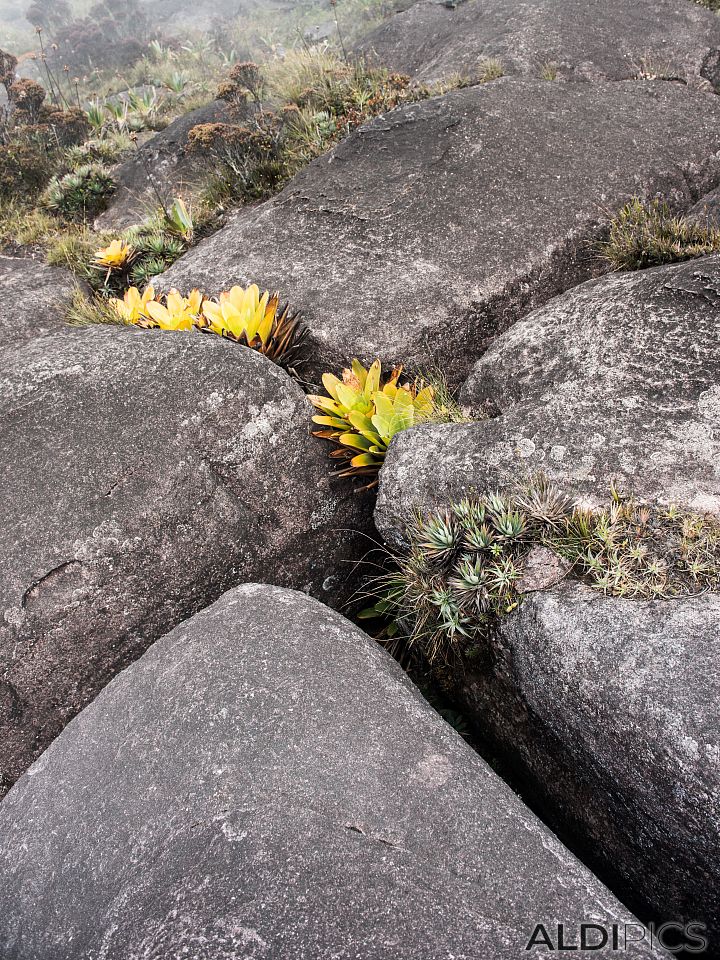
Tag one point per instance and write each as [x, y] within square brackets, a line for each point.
[648, 234]
[464, 565]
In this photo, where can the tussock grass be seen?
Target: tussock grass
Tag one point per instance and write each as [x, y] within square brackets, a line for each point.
[649, 234]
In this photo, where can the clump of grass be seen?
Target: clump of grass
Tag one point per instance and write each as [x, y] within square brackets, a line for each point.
[649, 234]
[86, 311]
[463, 569]
[549, 71]
[490, 69]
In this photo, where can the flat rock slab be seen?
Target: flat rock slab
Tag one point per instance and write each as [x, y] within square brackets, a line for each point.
[616, 380]
[432, 228]
[33, 300]
[610, 711]
[603, 40]
[147, 472]
[265, 782]
[160, 170]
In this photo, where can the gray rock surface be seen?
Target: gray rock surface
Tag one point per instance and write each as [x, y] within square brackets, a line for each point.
[160, 168]
[33, 299]
[610, 710]
[603, 40]
[618, 379]
[265, 782]
[148, 473]
[435, 226]
[707, 210]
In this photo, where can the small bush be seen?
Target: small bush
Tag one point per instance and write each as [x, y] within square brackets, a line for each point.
[68, 127]
[26, 166]
[27, 97]
[648, 234]
[80, 195]
[464, 565]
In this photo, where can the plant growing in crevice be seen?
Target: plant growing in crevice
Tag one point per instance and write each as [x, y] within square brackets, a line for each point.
[244, 315]
[649, 234]
[464, 566]
[362, 412]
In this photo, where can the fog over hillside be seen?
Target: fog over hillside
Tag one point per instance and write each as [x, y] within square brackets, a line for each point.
[231, 18]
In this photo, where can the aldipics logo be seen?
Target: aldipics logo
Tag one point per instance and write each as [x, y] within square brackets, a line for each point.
[618, 937]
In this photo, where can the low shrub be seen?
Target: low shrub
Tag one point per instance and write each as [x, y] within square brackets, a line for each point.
[26, 166]
[649, 234]
[81, 194]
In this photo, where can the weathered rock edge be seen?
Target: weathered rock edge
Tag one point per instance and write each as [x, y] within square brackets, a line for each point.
[33, 299]
[433, 228]
[608, 710]
[149, 472]
[603, 40]
[266, 782]
[617, 380]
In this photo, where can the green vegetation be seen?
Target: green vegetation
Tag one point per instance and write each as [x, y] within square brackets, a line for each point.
[649, 234]
[464, 566]
[302, 104]
[242, 315]
[549, 71]
[81, 194]
[362, 413]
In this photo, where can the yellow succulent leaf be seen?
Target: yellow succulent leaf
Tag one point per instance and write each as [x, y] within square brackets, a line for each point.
[383, 405]
[359, 420]
[194, 302]
[326, 404]
[330, 382]
[268, 307]
[347, 396]
[354, 440]
[335, 422]
[359, 372]
[364, 460]
[372, 381]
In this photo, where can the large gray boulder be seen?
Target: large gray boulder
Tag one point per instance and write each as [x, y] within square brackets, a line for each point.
[265, 782]
[162, 169]
[609, 711]
[432, 228]
[33, 299]
[147, 472]
[603, 40]
[616, 380]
